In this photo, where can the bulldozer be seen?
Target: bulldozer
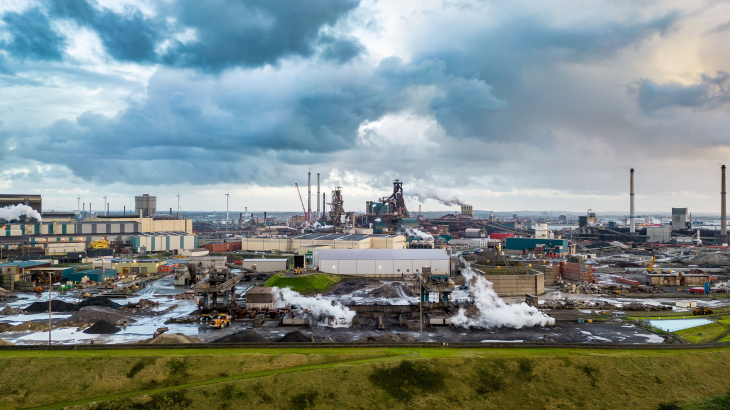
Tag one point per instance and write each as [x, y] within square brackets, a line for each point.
[220, 321]
[298, 271]
[100, 244]
[702, 311]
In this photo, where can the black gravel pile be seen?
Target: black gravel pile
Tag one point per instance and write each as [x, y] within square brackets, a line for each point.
[56, 306]
[98, 301]
[102, 327]
[295, 337]
[246, 336]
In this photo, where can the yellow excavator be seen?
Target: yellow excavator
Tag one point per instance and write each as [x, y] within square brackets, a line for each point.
[298, 271]
[650, 269]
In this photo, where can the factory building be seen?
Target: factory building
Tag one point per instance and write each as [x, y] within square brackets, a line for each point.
[95, 275]
[118, 230]
[539, 245]
[265, 265]
[380, 262]
[145, 205]
[133, 267]
[333, 241]
[33, 201]
[164, 242]
[679, 218]
[659, 234]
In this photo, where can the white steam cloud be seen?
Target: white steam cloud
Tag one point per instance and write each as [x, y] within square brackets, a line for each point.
[430, 193]
[318, 226]
[418, 233]
[493, 311]
[320, 308]
[13, 212]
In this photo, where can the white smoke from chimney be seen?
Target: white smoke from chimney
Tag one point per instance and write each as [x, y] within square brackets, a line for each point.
[320, 308]
[493, 311]
[424, 193]
[14, 212]
[418, 233]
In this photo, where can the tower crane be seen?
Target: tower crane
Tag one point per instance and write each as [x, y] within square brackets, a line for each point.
[306, 215]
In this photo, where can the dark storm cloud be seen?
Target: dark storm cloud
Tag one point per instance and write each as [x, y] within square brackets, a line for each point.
[251, 33]
[340, 50]
[226, 33]
[31, 37]
[710, 92]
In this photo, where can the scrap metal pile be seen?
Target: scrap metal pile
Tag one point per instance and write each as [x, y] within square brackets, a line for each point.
[595, 288]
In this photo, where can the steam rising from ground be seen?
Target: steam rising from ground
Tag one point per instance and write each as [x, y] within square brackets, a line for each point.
[430, 193]
[13, 212]
[321, 308]
[493, 311]
[418, 233]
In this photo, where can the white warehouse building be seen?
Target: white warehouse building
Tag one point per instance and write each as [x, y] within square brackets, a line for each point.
[380, 262]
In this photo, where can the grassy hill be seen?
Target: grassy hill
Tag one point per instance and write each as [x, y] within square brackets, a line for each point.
[305, 284]
[367, 378]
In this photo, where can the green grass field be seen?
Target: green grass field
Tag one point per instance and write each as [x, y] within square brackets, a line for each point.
[305, 284]
[364, 378]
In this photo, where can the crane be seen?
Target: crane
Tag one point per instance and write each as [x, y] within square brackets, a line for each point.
[306, 216]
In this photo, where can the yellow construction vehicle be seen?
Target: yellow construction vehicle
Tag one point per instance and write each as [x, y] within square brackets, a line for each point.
[220, 321]
[702, 311]
[298, 271]
[650, 269]
[100, 244]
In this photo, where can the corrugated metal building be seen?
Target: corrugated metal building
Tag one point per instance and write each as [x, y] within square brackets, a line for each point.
[96, 275]
[160, 242]
[380, 262]
[265, 265]
[336, 241]
[559, 246]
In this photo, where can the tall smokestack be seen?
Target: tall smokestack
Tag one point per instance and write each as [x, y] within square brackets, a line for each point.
[317, 195]
[632, 216]
[309, 196]
[723, 206]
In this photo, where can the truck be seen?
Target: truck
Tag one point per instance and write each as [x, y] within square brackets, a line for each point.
[220, 321]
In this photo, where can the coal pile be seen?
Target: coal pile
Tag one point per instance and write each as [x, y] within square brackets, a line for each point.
[93, 314]
[638, 307]
[349, 286]
[246, 336]
[387, 338]
[56, 306]
[295, 337]
[11, 311]
[98, 301]
[391, 290]
[102, 327]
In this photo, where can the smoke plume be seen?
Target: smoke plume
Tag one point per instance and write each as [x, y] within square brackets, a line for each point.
[317, 226]
[493, 311]
[418, 233]
[14, 212]
[320, 308]
[430, 193]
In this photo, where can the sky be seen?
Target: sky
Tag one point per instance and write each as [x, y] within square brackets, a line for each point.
[504, 105]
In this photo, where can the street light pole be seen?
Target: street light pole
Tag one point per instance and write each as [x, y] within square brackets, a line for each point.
[50, 286]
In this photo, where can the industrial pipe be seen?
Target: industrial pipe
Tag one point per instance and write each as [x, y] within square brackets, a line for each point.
[309, 196]
[317, 196]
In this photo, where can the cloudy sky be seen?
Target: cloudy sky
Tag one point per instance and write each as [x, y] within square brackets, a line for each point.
[511, 105]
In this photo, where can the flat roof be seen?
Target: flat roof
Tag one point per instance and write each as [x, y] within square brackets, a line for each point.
[259, 289]
[25, 264]
[338, 236]
[155, 234]
[264, 260]
[400, 254]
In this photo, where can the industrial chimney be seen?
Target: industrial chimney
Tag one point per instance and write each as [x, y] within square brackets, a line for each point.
[632, 216]
[723, 208]
[309, 196]
[317, 196]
